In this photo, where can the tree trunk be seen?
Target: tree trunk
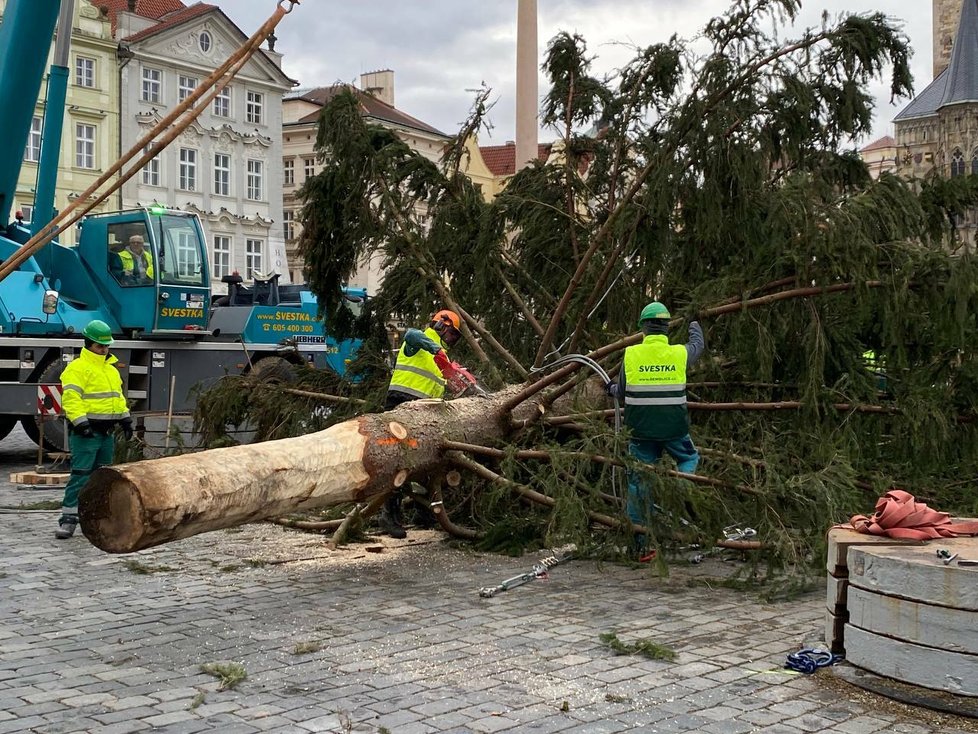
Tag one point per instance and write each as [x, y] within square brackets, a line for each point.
[130, 507]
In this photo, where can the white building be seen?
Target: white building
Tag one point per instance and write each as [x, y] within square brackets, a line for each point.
[302, 109]
[227, 165]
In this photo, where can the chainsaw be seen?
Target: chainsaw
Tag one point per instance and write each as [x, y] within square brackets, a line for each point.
[464, 384]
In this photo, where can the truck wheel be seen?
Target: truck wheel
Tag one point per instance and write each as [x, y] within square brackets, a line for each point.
[274, 370]
[54, 425]
[54, 439]
[7, 423]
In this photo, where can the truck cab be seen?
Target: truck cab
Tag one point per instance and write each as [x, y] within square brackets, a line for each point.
[150, 265]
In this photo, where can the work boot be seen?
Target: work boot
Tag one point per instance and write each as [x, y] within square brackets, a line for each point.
[66, 528]
[389, 519]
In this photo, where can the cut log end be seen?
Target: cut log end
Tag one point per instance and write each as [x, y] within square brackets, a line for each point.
[401, 477]
[111, 512]
[397, 430]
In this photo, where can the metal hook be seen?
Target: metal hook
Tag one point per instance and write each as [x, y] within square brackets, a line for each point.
[291, 7]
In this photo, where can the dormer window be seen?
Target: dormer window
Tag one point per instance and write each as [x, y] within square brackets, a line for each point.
[205, 42]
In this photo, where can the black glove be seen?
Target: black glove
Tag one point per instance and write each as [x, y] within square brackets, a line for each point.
[612, 389]
[85, 430]
[126, 425]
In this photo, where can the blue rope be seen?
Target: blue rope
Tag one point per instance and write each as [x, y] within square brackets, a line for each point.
[810, 659]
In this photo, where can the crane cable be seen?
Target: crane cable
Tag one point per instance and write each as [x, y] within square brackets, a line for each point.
[583, 359]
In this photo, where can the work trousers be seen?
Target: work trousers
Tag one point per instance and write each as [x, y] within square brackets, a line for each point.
[640, 502]
[87, 455]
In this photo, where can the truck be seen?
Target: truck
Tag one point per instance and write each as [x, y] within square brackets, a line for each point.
[171, 332]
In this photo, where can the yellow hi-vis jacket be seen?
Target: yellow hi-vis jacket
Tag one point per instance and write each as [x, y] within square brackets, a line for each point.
[655, 389]
[418, 375]
[129, 265]
[92, 390]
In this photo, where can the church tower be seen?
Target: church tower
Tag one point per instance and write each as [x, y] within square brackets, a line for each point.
[938, 131]
[946, 15]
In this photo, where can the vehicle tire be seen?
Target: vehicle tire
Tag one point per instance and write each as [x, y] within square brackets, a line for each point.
[7, 423]
[274, 370]
[55, 437]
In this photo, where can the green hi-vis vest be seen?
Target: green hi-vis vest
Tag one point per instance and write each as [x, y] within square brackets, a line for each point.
[418, 375]
[655, 389]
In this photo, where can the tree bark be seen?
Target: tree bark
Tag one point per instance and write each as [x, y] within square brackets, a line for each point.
[130, 507]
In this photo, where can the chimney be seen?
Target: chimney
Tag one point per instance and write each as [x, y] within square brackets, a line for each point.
[379, 84]
[527, 84]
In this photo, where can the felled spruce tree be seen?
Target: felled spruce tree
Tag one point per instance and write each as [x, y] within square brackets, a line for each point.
[721, 182]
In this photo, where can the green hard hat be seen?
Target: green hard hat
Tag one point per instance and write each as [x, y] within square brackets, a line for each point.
[98, 331]
[654, 310]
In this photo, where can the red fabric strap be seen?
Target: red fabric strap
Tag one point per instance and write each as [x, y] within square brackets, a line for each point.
[899, 515]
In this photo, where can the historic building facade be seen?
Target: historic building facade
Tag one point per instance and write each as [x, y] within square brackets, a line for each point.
[89, 142]
[938, 130]
[226, 165]
[301, 111]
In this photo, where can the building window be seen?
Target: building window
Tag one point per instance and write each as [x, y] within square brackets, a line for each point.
[187, 86]
[27, 210]
[151, 171]
[84, 145]
[222, 174]
[188, 258]
[32, 154]
[222, 103]
[957, 163]
[84, 72]
[288, 172]
[205, 42]
[253, 108]
[222, 256]
[188, 169]
[309, 164]
[974, 162]
[152, 85]
[288, 224]
[253, 259]
[256, 184]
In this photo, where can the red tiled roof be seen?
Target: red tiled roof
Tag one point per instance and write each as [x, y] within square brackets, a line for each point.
[172, 19]
[371, 106]
[154, 9]
[501, 159]
[885, 142]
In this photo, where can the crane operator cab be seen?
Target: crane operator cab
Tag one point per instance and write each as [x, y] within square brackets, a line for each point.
[152, 267]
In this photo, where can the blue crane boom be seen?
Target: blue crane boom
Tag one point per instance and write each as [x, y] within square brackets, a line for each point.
[28, 26]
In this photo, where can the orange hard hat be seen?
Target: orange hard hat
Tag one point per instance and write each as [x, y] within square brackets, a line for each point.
[447, 317]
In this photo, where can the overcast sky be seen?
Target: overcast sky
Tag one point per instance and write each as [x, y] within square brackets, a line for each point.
[440, 48]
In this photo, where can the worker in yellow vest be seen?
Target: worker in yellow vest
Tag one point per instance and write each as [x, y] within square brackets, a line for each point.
[653, 385]
[134, 265]
[422, 371]
[93, 405]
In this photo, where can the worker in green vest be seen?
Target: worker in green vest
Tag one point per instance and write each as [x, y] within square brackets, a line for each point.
[422, 370]
[876, 366]
[653, 385]
[93, 406]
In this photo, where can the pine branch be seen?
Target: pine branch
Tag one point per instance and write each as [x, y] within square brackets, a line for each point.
[493, 342]
[520, 303]
[325, 397]
[548, 456]
[452, 304]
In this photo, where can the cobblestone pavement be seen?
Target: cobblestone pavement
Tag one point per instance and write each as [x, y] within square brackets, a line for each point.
[398, 641]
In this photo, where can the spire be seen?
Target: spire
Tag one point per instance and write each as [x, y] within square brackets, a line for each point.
[962, 73]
